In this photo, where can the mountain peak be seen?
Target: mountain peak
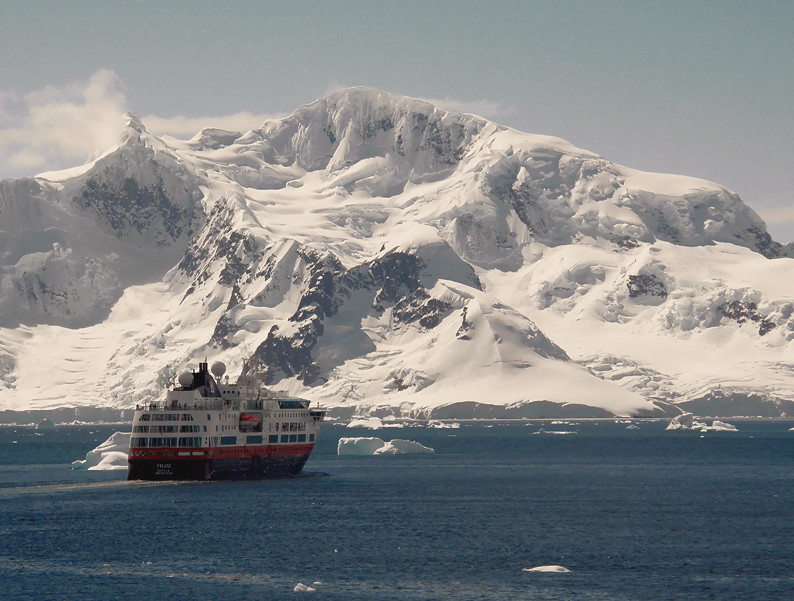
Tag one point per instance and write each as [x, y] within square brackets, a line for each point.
[131, 121]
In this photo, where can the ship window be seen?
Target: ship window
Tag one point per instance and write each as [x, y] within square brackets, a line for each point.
[162, 442]
[190, 442]
[137, 443]
[228, 440]
[253, 440]
[161, 429]
[284, 437]
[144, 418]
[301, 438]
[311, 437]
[272, 438]
[140, 428]
[186, 417]
[293, 437]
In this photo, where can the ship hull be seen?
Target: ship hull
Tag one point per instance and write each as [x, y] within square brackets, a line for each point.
[230, 464]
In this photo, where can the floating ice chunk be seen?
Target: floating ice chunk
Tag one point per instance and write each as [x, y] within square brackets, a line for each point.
[542, 431]
[377, 446]
[110, 455]
[687, 421]
[373, 423]
[398, 446]
[359, 446]
[45, 424]
[718, 426]
[435, 424]
[550, 569]
[302, 588]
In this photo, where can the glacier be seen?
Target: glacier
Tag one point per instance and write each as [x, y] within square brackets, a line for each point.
[386, 258]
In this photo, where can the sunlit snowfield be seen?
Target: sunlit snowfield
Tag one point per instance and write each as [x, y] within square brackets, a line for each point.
[634, 514]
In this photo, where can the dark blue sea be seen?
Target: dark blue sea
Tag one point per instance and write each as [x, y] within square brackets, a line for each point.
[635, 515]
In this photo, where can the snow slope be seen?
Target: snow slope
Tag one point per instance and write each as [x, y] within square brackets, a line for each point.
[380, 255]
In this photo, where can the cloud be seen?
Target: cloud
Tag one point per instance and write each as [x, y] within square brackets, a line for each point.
[782, 215]
[56, 127]
[186, 127]
[489, 109]
[59, 127]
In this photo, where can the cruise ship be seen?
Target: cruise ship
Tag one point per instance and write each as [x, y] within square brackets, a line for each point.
[209, 430]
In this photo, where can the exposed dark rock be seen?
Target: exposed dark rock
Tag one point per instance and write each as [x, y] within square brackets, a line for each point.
[394, 281]
[646, 285]
[626, 242]
[765, 245]
[418, 306]
[465, 327]
[738, 403]
[741, 311]
[124, 206]
[224, 329]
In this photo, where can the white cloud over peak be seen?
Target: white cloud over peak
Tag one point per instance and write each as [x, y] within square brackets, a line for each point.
[778, 216]
[490, 109]
[186, 127]
[57, 127]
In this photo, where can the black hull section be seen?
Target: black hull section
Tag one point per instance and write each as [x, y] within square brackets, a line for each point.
[232, 468]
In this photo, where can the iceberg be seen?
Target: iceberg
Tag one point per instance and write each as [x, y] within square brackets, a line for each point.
[555, 569]
[373, 423]
[303, 588]
[718, 426]
[110, 455]
[687, 421]
[558, 432]
[365, 445]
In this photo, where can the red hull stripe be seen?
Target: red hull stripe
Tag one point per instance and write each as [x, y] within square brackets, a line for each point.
[281, 450]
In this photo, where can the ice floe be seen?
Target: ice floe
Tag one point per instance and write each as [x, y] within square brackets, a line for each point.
[687, 421]
[718, 426]
[110, 455]
[555, 569]
[551, 432]
[303, 588]
[373, 423]
[376, 446]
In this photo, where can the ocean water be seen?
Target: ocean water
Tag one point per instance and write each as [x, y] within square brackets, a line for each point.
[633, 514]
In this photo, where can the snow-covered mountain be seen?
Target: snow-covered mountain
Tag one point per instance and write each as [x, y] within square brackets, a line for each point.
[380, 255]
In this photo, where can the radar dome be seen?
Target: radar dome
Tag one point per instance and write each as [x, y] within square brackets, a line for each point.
[218, 369]
[185, 379]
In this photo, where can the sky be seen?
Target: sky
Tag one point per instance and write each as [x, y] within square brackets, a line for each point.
[701, 88]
